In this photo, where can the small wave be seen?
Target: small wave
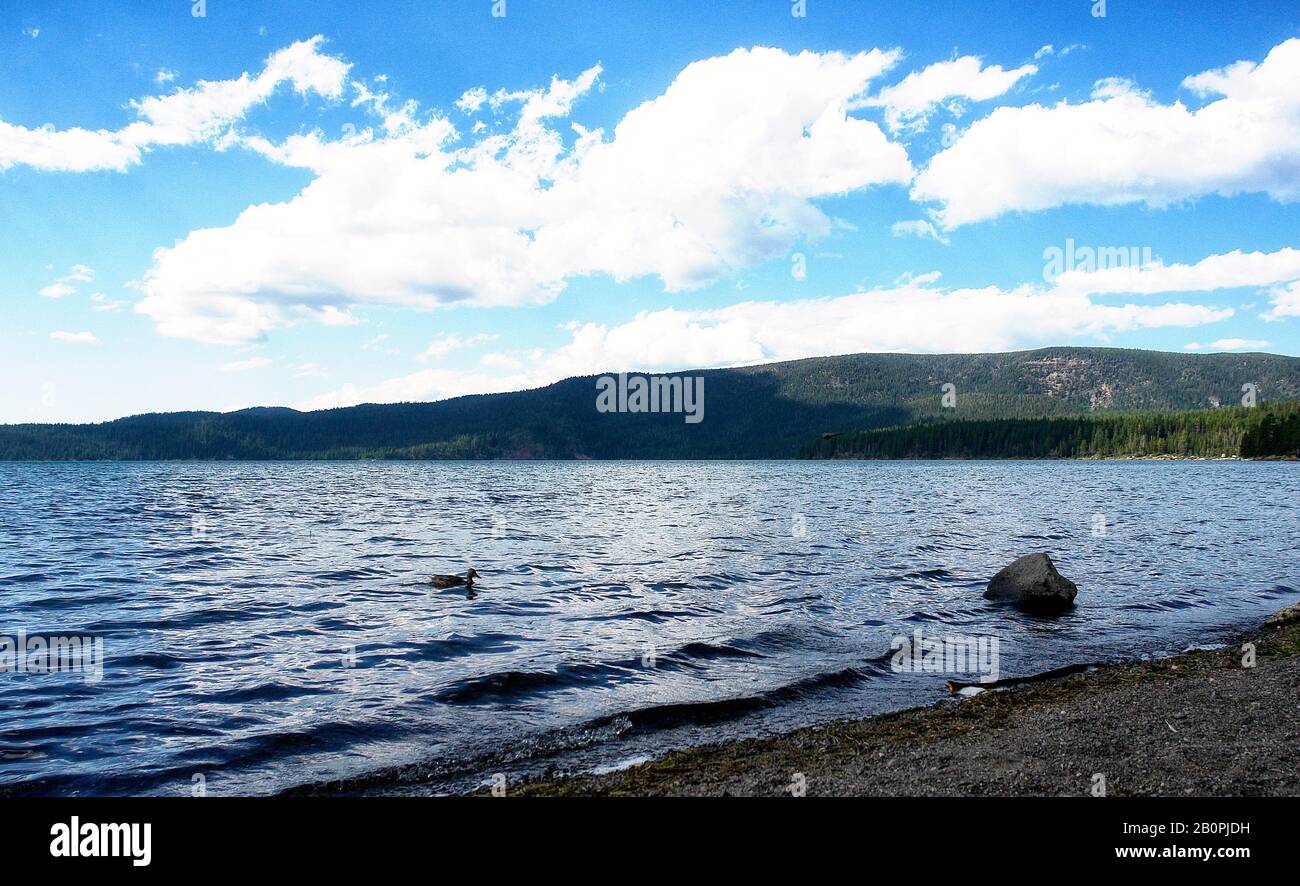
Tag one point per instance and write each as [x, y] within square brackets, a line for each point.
[197, 618]
[519, 684]
[551, 567]
[515, 684]
[269, 691]
[654, 616]
[70, 600]
[350, 574]
[457, 646]
[620, 765]
[319, 606]
[936, 572]
[18, 753]
[711, 651]
[784, 639]
[1188, 598]
[155, 660]
[790, 601]
[706, 713]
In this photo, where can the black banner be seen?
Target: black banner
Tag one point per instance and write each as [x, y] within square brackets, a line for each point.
[330, 836]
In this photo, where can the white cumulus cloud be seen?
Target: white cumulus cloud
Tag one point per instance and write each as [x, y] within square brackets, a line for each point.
[1226, 271]
[1285, 302]
[1125, 147]
[56, 290]
[719, 172]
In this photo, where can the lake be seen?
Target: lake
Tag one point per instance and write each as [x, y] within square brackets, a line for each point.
[267, 625]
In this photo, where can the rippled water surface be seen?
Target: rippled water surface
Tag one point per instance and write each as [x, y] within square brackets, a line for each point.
[270, 625]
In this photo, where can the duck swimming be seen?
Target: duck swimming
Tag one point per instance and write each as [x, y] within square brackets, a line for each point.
[455, 581]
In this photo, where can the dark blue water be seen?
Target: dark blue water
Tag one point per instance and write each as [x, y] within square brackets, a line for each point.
[269, 625]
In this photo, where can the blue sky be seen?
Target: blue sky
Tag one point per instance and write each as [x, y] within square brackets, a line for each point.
[432, 200]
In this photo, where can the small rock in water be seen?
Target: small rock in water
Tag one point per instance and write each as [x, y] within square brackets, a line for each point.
[1033, 584]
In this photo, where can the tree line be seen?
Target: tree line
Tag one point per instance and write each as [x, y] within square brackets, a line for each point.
[1265, 431]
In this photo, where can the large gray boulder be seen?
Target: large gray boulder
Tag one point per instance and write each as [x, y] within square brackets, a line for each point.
[1033, 584]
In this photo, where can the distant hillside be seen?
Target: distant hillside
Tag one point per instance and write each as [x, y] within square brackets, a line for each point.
[1269, 431]
[766, 411]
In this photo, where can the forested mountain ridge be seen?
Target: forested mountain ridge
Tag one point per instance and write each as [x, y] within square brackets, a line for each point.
[767, 411]
[1269, 431]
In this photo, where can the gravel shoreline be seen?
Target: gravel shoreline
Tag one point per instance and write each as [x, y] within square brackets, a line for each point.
[1196, 724]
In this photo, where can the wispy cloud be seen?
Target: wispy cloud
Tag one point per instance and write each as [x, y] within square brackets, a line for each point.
[917, 228]
[247, 365]
[444, 344]
[183, 117]
[310, 370]
[908, 104]
[1229, 344]
[63, 286]
[102, 303]
[76, 338]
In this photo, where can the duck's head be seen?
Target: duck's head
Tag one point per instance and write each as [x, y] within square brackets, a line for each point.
[471, 575]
